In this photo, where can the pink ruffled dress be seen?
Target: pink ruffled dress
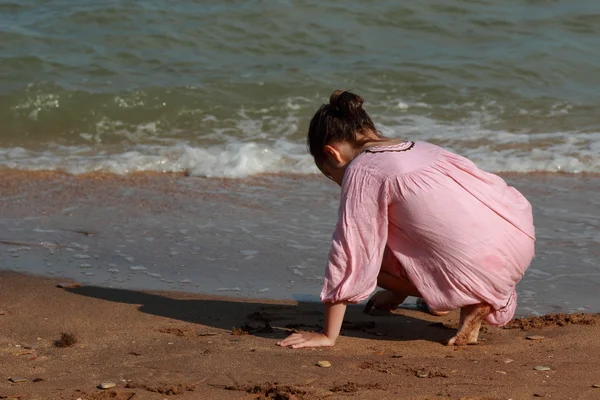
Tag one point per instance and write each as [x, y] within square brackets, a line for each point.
[461, 236]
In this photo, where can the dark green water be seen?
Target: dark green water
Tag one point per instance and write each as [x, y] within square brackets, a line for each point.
[226, 88]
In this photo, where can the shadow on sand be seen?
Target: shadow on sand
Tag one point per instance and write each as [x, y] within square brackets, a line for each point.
[271, 320]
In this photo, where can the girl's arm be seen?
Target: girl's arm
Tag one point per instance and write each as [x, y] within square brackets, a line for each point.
[356, 252]
[334, 316]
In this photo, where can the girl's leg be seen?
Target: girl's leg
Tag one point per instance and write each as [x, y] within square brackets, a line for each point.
[470, 323]
[423, 305]
[398, 287]
[392, 276]
[396, 291]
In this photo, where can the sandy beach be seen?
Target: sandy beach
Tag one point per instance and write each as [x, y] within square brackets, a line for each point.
[155, 154]
[156, 345]
[144, 248]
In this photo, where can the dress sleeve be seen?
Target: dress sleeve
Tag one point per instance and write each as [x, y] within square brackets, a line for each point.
[360, 238]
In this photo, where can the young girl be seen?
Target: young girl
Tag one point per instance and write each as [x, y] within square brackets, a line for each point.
[416, 220]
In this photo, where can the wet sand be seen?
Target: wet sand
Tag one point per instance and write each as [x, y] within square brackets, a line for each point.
[157, 345]
[265, 237]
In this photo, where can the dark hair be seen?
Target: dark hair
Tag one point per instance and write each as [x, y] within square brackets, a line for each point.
[343, 119]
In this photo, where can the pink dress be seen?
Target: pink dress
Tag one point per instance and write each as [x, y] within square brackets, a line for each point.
[462, 236]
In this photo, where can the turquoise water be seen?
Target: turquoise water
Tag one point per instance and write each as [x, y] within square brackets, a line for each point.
[226, 88]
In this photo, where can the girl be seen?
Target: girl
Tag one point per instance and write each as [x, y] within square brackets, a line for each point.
[416, 220]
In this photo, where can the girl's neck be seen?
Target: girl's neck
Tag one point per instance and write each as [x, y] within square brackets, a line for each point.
[381, 141]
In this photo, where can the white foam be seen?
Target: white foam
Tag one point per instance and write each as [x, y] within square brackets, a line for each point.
[18, 249]
[233, 289]
[235, 160]
[250, 148]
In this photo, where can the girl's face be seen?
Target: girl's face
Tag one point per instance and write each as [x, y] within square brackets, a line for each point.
[331, 173]
[338, 156]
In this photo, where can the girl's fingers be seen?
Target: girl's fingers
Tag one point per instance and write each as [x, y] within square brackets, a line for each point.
[305, 342]
[301, 345]
[292, 339]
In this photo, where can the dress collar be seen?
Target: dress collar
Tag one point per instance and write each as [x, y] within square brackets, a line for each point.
[403, 146]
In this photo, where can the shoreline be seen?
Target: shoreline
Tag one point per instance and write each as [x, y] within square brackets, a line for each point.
[153, 345]
[251, 238]
[52, 173]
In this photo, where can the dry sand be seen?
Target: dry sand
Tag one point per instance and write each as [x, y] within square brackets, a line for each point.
[185, 346]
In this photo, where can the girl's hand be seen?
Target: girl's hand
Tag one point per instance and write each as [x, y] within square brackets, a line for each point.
[306, 339]
[334, 316]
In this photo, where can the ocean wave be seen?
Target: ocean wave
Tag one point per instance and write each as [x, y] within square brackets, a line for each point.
[236, 160]
[175, 130]
[243, 159]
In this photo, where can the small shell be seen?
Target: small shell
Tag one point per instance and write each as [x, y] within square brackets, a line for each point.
[106, 385]
[535, 337]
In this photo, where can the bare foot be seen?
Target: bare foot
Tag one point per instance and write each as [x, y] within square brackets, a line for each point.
[384, 300]
[470, 323]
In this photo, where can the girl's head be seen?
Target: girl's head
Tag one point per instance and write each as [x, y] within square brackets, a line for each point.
[337, 130]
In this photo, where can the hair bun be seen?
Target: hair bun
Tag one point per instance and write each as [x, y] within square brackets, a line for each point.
[346, 102]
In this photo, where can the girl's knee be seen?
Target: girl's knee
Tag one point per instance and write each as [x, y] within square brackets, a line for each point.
[397, 284]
